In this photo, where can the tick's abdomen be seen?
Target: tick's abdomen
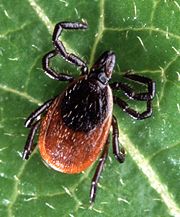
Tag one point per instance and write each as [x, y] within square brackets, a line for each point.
[72, 145]
[84, 105]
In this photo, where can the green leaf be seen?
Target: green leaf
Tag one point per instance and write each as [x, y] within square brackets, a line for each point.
[145, 36]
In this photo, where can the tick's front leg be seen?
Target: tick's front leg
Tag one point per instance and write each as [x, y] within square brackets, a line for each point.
[72, 58]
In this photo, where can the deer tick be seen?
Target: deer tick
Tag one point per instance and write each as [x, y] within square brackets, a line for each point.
[74, 132]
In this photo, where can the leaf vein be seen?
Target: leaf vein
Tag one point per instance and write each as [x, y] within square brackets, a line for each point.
[151, 28]
[155, 4]
[22, 27]
[151, 175]
[46, 21]
[162, 150]
[15, 191]
[21, 94]
[164, 78]
[99, 34]
[29, 72]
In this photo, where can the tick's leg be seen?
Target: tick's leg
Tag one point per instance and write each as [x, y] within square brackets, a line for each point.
[129, 92]
[34, 116]
[136, 115]
[72, 58]
[98, 171]
[29, 146]
[144, 80]
[50, 72]
[119, 155]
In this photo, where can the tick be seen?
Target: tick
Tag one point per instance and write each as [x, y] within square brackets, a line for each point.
[75, 125]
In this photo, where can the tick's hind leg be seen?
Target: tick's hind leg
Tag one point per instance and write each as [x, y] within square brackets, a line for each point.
[29, 146]
[33, 122]
[119, 154]
[98, 172]
[72, 58]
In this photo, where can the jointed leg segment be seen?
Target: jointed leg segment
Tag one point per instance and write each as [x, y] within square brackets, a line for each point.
[33, 122]
[145, 96]
[72, 58]
[50, 72]
[98, 172]
[119, 154]
[130, 93]
[29, 146]
[136, 115]
[60, 50]
[143, 80]
[34, 116]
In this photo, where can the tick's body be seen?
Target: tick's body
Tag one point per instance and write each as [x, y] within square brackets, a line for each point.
[76, 127]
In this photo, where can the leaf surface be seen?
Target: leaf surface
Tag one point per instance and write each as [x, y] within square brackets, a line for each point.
[145, 36]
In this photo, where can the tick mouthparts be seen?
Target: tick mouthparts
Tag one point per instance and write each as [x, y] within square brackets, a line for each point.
[105, 63]
[109, 63]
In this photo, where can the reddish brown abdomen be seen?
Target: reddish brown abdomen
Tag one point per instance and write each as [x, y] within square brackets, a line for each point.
[70, 151]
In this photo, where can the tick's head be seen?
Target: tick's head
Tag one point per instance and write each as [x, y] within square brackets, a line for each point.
[103, 67]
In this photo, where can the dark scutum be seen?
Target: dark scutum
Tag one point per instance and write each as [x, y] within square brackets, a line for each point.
[84, 105]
